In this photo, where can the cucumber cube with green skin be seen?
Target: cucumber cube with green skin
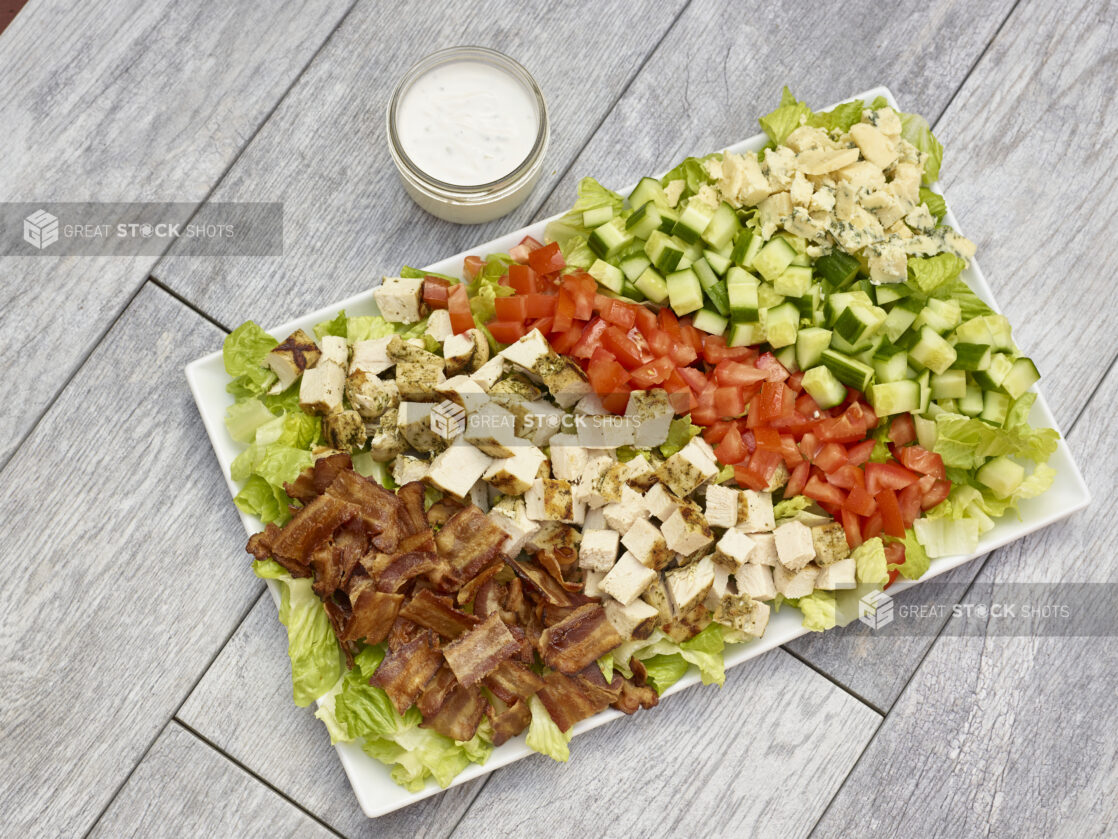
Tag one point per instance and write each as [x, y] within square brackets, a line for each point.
[1021, 376]
[892, 367]
[932, 351]
[940, 315]
[747, 245]
[849, 371]
[705, 273]
[974, 331]
[890, 293]
[693, 220]
[745, 334]
[895, 398]
[648, 189]
[787, 357]
[722, 228]
[608, 276]
[794, 281]
[810, 343]
[652, 285]
[610, 239]
[644, 221]
[719, 262]
[781, 324]
[684, 292]
[858, 322]
[708, 321]
[774, 258]
[663, 251]
[719, 298]
[992, 377]
[1002, 475]
[837, 268]
[596, 216]
[742, 294]
[925, 384]
[951, 384]
[634, 266]
[823, 386]
[926, 432]
[971, 402]
[995, 408]
[631, 292]
[897, 322]
[972, 356]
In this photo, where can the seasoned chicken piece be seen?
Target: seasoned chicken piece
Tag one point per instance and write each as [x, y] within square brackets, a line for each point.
[369, 395]
[344, 430]
[385, 439]
[297, 353]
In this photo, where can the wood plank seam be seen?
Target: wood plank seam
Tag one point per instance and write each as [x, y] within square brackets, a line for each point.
[846, 689]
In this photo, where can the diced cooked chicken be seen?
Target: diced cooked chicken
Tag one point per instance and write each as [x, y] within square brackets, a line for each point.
[837, 575]
[764, 549]
[564, 379]
[598, 551]
[592, 583]
[515, 475]
[755, 581]
[640, 474]
[719, 588]
[369, 395]
[438, 325]
[743, 613]
[414, 420]
[721, 506]
[606, 432]
[660, 502]
[830, 543]
[385, 439]
[513, 388]
[551, 500]
[400, 299]
[489, 373]
[320, 391]
[755, 511]
[734, 548]
[457, 469]
[635, 620]
[686, 531]
[371, 357]
[493, 430]
[511, 516]
[685, 470]
[795, 584]
[344, 430]
[794, 547]
[463, 390]
[645, 541]
[621, 515]
[289, 359]
[538, 421]
[656, 595]
[627, 580]
[568, 458]
[335, 350]
[689, 586]
[650, 413]
[406, 469]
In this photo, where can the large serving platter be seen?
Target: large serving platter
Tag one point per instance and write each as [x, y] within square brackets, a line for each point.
[376, 793]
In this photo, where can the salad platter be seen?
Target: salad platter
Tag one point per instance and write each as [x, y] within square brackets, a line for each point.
[956, 527]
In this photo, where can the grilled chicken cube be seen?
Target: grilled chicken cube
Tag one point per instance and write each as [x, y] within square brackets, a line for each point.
[400, 299]
[598, 551]
[764, 550]
[290, 359]
[438, 325]
[514, 388]
[688, 586]
[369, 395]
[335, 350]
[458, 468]
[515, 475]
[685, 470]
[755, 511]
[464, 391]
[527, 351]
[344, 430]
[511, 516]
[592, 583]
[656, 595]
[489, 373]
[837, 575]
[608, 432]
[645, 541]
[756, 581]
[719, 588]
[794, 547]
[371, 356]
[686, 531]
[493, 430]
[734, 548]
[650, 412]
[743, 613]
[406, 469]
[385, 439]
[640, 474]
[660, 502]
[466, 353]
[568, 458]
[550, 500]
[564, 379]
[320, 391]
[414, 420]
[830, 543]
[538, 421]
[622, 515]
[635, 620]
[627, 580]
[722, 506]
[795, 584]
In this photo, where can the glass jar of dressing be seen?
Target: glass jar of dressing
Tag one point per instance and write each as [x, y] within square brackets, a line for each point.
[468, 130]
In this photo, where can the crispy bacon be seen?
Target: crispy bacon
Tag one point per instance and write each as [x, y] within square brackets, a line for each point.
[509, 722]
[512, 680]
[405, 567]
[470, 590]
[372, 613]
[541, 583]
[488, 599]
[591, 682]
[477, 653]
[442, 511]
[379, 508]
[261, 546]
[403, 632]
[326, 469]
[580, 639]
[467, 544]
[412, 516]
[436, 691]
[565, 702]
[407, 668]
[460, 714]
[550, 562]
[309, 527]
[427, 609]
[302, 488]
[635, 692]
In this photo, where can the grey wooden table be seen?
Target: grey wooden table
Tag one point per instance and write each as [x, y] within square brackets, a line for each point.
[144, 687]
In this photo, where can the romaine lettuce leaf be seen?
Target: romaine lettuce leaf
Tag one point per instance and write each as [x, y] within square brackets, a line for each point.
[485, 288]
[916, 130]
[663, 671]
[680, 433]
[869, 562]
[243, 418]
[788, 116]
[937, 206]
[259, 498]
[338, 326]
[544, 736]
[244, 349]
[820, 610]
[929, 273]
[407, 272]
[965, 442]
[916, 559]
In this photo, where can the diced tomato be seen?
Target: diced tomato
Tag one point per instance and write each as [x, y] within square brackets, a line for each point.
[668, 322]
[507, 332]
[797, 480]
[618, 343]
[894, 555]
[789, 452]
[645, 321]
[890, 510]
[809, 446]
[511, 309]
[523, 279]
[796, 382]
[909, 499]
[458, 304]
[746, 477]
[852, 526]
[731, 449]
[771, 401]
[831, 457]
[435, 292]
[729, 372]
[472, 266]
[921, 460]
[936, 495]
[681, 353]
[621, 314]
[564, 311]
[753, 415]
[692, 336]
[845, 476]
[582, 290]
[849, 427]
[859, 501]
[539, 305]
[606, 375]
[902, 430]
[860, 452]
[564, 342]
[881, 476]
[618, 401]
[714, 433]
[767, 439]
[544, 325]
[806, 405]
[872, 526]
[652, 373]
[729, 402]
[774, 370]
[547, 259]
[715, 350]
[590, 339]
[823, 492]
[694, 378]
[704, 415]
[764, 463]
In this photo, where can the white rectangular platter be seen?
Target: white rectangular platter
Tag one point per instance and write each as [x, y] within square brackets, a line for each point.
[375, 791]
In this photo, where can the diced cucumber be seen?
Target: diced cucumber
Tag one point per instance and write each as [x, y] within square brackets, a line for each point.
[1022, 376]
[950, 406]
[773, 258]
[684, 291]
[932, 351]
[746, 247]
[610, 238]
[693, 220]
[848, 370]
[787, 357]
[644, 221]
[597, 216]
[630, 291]
[608, 276]
[824, 387]
[839, 301]
[971, 402]
[925, 432]
[974, 331]
[794, 281]
[708, 321]
[704, 272]
[781, 324]
[898, 321]
[741, 288]
[798, 243]
[856, 322]
[809, 303]
[972, 356]
[895, 398]
[647, 190]
[663, 251]
[950, 384]
[634, 266]
[887, 293]
[992, 377]
[767, 296]
[719, 297]
[810, 343]
[1002, 475]
[719, 262]
[925, 383]
[891, 366]
[723, 226]
[995, 408]
[745, 334]
[652, 285]
[837, 268]
[940, 315]
[668, 218]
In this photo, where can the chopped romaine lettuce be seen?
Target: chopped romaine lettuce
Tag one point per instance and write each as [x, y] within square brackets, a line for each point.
[929, 273]
[243, 418]
[869, 562]
[680, 433]
[544, 735]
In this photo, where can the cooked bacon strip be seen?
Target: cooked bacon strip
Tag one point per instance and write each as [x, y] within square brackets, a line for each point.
[635, 692]
[488, 599]
[512, 680]
[467, 544]
[470, 590]
[460, 714]
[427, 609]
[406, 567]
[302, 488]
[436, 691]
[407, 668]
[541, 583]
[550, 562]
[261, 546]
[442, 511]
[403, 632]
[565, 702]
[527, 652]
[373, 613]
[326, 469]
[333, 561]
[591, 682]
[477, 653]
[509, 722]
[412, 516]
[310, 527]
[424, 540]
[379, 508]
[579, 640]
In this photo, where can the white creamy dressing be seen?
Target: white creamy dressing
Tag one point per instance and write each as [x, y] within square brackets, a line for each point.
[467, 123]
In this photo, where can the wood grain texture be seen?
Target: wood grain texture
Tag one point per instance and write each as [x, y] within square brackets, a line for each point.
[185, 788]
[760, 757]
[123, 101]
[123, 573]
[1008, 736]
[243, 706]
[347, 220]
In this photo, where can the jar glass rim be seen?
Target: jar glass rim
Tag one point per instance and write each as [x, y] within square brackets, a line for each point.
[489, 56]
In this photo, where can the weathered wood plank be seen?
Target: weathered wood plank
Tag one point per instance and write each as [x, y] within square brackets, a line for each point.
[122, 579]
[183, 787]
[324, 154]
[112, 101]
[1008, 736]
[243, 706]
[757, 758]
